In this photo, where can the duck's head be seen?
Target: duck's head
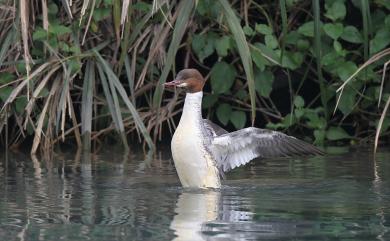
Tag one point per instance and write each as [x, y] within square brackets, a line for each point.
[189, 79]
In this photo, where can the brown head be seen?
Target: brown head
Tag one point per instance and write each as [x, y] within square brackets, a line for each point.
[189, 79]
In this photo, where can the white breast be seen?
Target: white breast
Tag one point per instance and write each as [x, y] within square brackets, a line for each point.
[194, 165]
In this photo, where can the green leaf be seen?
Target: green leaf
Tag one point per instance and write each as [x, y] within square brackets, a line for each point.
[238, 118]
[101, 13]
[241, 94]
[39, 34]
[334, 30]
[292, 60]
[307, 29]
[248, 31]
[346, 69]
[330, 58]
[209, 101]
[336, 133]
[299, 102]
[59, 29]
[222, 77]
[319, 136]
[271, 41]
[5, 92]
[20, 104]
[303, 44]
[336, 11]
[222, 45]
[203, 45]
[223, 113]
[337, 46]
[263, 82]
[352, 35]
[347, 100]
[380, 41]
[264, 29]
[6, 78]
[259, 60]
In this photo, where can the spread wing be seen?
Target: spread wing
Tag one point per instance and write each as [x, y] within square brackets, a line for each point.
[214, 129]
[239, 147]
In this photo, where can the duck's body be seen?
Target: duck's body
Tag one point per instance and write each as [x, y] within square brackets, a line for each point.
[194, 163]
[202, 150]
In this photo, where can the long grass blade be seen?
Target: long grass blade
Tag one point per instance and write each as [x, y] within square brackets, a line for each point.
[122, 93]
[318, 53]
[24, 22]
[378, 130]
[38, 129]
[6, 45]
[109, 99]
[366, 28]
[243, 49]
[130, 79]
[283, 13]
[185, 9]
[86, 105]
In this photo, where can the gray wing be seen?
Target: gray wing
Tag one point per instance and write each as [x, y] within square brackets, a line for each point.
[239, 147]
[213, 129]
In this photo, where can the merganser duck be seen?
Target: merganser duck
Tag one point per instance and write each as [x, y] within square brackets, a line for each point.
[202, 151]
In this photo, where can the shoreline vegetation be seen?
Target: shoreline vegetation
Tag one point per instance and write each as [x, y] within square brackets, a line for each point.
[91, 72]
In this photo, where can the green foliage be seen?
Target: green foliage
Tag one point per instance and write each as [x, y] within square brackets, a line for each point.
[222, 77]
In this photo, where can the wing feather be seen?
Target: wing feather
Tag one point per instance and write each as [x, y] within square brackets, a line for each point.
[238, 148]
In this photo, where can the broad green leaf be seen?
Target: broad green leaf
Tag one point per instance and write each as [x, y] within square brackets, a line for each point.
[223, 113]
[259, 60]
[346, 69]
[330, 58]
[333, 30]
[337, 133]
[264, 29]
[5, 78]
[263, 82]
[5, 92]
[248, 31]
[222, 77]
[319, 136]
[337, 46]
[269, 53]
[20, 104]
[352, 35]
[292, 60]
[380, 41]
[203, 45]
[39, 34]
[271, 41]
[222, 45]
[209, 101]
[101, 13]
[307, 29]
[59, 29]
[336, 11]
[347, 100]
[299, 102]
[241, 94]
[238, 118]
[303, 44]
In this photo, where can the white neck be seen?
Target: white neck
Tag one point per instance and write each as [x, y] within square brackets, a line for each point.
[192, 110]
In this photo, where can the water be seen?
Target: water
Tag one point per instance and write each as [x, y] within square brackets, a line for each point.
[112, 196]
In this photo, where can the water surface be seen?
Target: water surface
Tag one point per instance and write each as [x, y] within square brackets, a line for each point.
[115, 196]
